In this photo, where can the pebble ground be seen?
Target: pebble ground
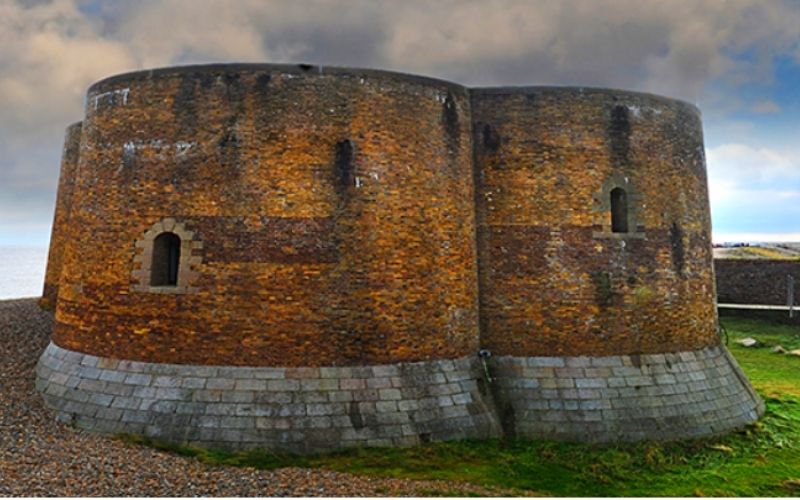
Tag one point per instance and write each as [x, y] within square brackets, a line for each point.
[41, 457]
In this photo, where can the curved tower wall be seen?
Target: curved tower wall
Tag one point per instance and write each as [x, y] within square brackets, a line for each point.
[61, 227]
[580, 316]
[326, 285]
[330, 219]
[555, 280]
[342, 242]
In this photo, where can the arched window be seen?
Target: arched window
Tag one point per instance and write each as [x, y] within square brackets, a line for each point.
[166, 260]
[619, 211]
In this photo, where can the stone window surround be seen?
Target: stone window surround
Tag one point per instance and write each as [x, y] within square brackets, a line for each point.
[143, 258]
[602, 209]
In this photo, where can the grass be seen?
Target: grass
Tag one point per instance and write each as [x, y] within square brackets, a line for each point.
[761, 460]
[757, 253]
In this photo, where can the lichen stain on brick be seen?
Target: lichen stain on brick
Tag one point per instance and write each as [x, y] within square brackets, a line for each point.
[491, 139]
[619, 135]
[451, 122]
[343, 167]
[676, 243]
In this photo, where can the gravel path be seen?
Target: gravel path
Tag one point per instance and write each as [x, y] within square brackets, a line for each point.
[41, 457]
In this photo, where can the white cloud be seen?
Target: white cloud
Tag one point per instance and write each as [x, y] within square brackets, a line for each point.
[675, 47]
[50, 51]
[743, 164]
[752, 187]
[765, 106]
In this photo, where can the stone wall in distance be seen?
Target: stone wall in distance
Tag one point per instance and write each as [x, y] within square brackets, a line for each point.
[756, 281]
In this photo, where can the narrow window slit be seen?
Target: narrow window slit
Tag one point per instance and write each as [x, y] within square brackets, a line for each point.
[619, 211]
[166, 260]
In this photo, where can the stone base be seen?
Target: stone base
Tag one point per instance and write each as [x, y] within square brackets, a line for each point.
[302, 410]
[623, 398]
[299, 410]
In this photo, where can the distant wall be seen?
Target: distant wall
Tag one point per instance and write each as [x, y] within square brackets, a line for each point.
[755, 281]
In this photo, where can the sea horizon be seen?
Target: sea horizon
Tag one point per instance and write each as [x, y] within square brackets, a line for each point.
[22, 269]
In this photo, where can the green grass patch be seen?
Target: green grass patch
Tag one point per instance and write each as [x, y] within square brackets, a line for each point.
[761, 460]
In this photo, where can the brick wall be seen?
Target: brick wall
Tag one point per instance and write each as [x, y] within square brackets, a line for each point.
[554, 280]
[756, 281]
[61, 227]
[311, 250]
[332, 217]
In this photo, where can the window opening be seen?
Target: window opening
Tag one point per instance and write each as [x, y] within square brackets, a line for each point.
[619, 211]
[166, 260]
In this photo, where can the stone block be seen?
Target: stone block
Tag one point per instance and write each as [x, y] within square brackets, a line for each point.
[168, 381]
[389, 394]
[112, 376]
[144, 392]
[207, 395]
[193, 383]
[311, 397]
[386, 406]
[302, 373]
[340, 396]
[135, 416]
[269, 373]
[172, 393]
[237, 422]
[384, 371]
[589, 383]
[292, 410]
[577, 362]
[114, 414]
[238, 396]
[125, 403]
[570, 373]
[408, 405]
[190, 408]
[92, 386]
[541, 362]
[100, 399]
[257, 385]
[379, 383]
[352, 384]
[221, 409]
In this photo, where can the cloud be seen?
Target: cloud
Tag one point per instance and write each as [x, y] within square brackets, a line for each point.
[754, 190]
[675, 47]
[51, 50]
[765, 106]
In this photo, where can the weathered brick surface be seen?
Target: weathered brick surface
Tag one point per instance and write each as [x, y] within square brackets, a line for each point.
[333, 216]
[350, 238]
[315, 251]
[62, 230]
[756, 281]
[553, 279]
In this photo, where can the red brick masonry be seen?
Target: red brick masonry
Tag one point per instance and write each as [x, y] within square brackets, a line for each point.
[357, 217]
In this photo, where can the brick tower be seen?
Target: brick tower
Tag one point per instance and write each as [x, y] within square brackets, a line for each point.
[306, 258]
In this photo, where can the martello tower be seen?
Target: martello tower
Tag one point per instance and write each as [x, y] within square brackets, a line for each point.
[305, 258]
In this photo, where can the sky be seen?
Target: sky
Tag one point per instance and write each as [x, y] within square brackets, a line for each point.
[738, 60]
